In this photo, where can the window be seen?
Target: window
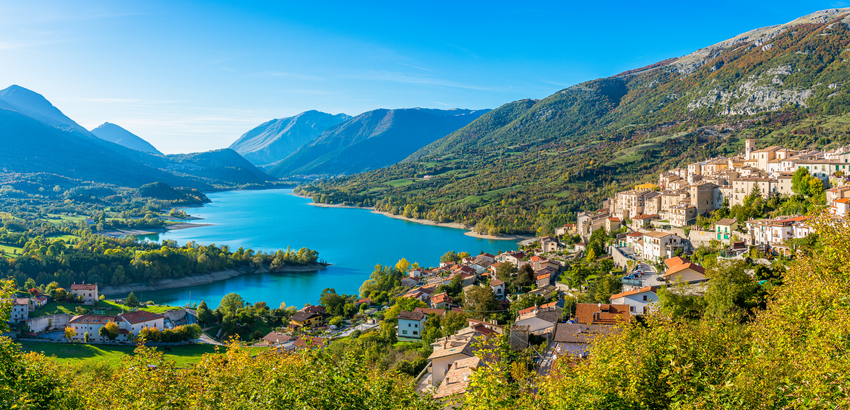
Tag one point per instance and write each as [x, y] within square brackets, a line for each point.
[404, 332]
[644, 298]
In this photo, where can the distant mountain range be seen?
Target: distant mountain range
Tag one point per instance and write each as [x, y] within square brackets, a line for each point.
[275, 140]
[37, 137]
[114, 133]
[372, 140]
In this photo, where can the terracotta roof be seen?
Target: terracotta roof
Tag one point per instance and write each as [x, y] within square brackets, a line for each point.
[21, 301]
[676, 269]
[726, 222]
[457, 378]
[592, 313]
[417, 316]
[277, 337]
[496, 282]
[82, 286]
[843, 200]
[316, 342]
[441, 298]
[95, 319]
[140, 316]
[578, 333]
[546, 276]
[430, 311]
[645, 216]
[634, 234]
[314, 309]
[659, 234]
[674, 261]
[634, 292]
[614, 219]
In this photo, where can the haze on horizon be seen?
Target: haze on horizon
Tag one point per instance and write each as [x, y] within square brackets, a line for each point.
[194, 76]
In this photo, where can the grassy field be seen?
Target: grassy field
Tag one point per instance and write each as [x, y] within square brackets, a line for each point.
[109, 307]
[10, 249]
[73, 353]
[399, 182]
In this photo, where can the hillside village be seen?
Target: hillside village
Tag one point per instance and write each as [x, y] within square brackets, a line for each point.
[641, 243]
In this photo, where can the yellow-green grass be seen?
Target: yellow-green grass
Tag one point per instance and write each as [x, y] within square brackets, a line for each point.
[76, 353]
[6, 249]
[399, 182]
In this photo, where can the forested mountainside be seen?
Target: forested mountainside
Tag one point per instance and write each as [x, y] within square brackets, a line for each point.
[372, 140]
[37, 138]
[532, 164]
[274, 140]
[117, 134]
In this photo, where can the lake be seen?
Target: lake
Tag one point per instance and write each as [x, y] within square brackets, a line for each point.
[353, 240]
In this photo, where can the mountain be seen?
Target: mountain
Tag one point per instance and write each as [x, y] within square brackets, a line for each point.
[274, 140]
[373, 140]
[34, 105]
[38, 138]
[534, 163]
[114, 133]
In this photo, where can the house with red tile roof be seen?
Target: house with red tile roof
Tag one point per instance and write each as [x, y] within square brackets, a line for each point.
[685, 272]
[602, 314]
[87, 292]
[441, 301]
[638, 300]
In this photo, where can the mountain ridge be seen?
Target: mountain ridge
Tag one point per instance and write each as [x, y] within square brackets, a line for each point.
[274, 140]
[119, 135]
[372, 140]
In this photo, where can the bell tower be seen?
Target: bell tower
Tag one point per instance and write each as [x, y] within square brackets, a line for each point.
[749, 148]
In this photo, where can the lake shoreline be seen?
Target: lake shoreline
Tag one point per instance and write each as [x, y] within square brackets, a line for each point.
[204, 279]
[454, 225]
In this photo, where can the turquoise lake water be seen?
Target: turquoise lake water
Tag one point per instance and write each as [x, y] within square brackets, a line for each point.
[354, 240]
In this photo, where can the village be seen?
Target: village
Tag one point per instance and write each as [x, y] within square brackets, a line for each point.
[643, 238]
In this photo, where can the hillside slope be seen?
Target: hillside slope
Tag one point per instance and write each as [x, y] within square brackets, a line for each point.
[117, 134]
[373, 140]
[530, 164]
[38, 138]
[274, 140]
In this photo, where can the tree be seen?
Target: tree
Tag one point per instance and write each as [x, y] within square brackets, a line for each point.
[230, 303]
[334, 304]
[480, 302]
[799, 181]
[450, 256]
[402, 266]
[60, 294]
[205, 315]
[131, 300]
[505, 270]
[70, 333]
[109, 330]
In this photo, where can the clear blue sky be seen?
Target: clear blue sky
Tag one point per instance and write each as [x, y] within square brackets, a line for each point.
[192, 76]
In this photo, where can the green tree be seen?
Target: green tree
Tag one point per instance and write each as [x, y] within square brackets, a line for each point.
[480, 302]
[230, 303]
[205, 315]
[799, 181]
[131, 300]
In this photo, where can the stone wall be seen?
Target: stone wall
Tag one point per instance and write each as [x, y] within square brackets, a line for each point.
[49, 322]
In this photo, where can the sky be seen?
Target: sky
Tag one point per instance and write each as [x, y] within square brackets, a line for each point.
[194, 76]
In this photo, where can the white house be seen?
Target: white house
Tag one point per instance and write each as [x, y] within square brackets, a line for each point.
[20, 310]
[658, 245]
[410, 324]
[638, 299]
[139, 319]
[129, 324]
[447, 351]
[498, 287]
[840, 207]
[88, 292]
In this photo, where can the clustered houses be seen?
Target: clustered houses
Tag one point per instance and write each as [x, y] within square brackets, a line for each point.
[22, 307]
[659, 217]
[129, 325]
